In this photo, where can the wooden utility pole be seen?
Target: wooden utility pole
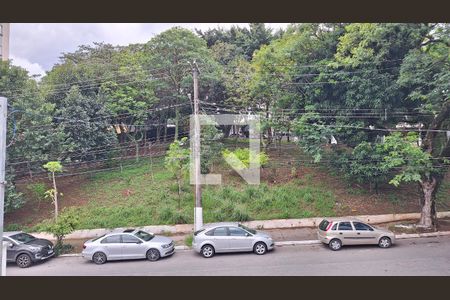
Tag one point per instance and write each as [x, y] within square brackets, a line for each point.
[198, 214]
[3, 115]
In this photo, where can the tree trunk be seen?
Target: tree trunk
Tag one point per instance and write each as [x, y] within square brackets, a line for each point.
[56, 196]
[428, 214]
[165, 132]
[158, 133]
[177, 120]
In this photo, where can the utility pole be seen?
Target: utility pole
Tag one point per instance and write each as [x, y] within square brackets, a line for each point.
[3, 115]
[198, 213]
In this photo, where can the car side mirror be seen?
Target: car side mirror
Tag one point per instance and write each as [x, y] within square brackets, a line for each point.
[139, 242]
[10, 245]
[248, 234]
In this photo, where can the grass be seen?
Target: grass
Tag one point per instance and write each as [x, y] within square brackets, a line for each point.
[188, 240]
[133, 198]
[137, 196]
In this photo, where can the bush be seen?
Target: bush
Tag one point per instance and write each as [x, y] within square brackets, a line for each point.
[65, 225]
[38, 190]
[13, 199]
[243, 155]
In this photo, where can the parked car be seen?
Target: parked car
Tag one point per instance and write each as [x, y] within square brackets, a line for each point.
[230, 237]
[339, 232]
[127, 244]
[25, 249]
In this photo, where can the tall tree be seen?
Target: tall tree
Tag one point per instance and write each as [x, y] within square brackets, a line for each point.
[171, 55]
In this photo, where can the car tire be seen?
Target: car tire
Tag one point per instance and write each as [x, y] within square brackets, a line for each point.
[207, 251]
[153, 255]
[260, 248]
[99, 258]
[384, 242]
[23, 260]
[335, 244]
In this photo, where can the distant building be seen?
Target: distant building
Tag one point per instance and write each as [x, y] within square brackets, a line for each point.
[4, 41]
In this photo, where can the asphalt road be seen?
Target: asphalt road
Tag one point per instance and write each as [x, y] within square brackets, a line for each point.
[424, 256]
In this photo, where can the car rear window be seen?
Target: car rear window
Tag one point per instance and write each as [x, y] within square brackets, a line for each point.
[198, 231]
[323, 225]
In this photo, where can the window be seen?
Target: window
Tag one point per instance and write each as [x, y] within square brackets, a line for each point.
[334, 226]
[112, 239]
[221, 231]
[248, 229]
[129, 239]
[237, 231]
[144, 235]
[23, 237]
[362, 226]
[345, 226]
[210, 232]
[323, 225]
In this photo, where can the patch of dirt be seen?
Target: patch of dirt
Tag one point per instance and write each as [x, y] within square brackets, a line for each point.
[34, 211]
[443, 225]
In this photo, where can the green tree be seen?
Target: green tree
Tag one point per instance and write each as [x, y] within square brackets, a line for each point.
[177, 162]
[85, 123]
[313, 134]
[54, 167]
[31, 137]
[171, 55]
[66, 224]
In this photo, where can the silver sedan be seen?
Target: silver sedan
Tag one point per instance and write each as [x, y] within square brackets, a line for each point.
[127, 244]
[230, 237]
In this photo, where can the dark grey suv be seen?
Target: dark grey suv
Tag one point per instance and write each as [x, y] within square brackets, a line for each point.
[24, 249]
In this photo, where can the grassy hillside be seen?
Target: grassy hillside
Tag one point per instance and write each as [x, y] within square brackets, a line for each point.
[145, 194]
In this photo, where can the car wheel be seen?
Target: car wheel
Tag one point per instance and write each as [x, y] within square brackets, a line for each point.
[260, 248]
[385, 242]
[99, 258]
[207, 251]
[23, 260]
[153, 255]
[335, 244]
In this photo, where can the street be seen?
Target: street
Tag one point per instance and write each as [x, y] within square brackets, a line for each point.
[420, 256]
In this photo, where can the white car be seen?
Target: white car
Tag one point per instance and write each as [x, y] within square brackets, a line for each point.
[127, 244]
[230, 237]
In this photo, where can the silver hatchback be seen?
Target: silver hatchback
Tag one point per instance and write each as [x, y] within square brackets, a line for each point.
[351, 231]
[230, 237]
[127, 244]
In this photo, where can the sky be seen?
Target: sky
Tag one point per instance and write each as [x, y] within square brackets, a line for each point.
[38, 46]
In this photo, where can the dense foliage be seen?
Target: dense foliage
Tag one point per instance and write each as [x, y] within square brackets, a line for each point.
[341, 90]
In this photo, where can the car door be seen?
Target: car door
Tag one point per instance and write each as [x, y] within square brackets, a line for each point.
[132, 247]
[240, 240]
[220, 238]
[10, 251]
[112, 246]
[365, 233]
[346, 233]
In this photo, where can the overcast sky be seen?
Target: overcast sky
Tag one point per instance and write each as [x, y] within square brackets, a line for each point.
[38, 46]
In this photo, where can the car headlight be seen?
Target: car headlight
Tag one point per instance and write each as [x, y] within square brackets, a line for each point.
[34, 249]
[166, 245]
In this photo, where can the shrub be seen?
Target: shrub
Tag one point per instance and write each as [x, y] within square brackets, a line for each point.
[38, 190]
[66, 223]
[243, 158]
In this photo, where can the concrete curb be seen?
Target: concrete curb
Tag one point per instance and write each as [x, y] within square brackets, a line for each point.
[294, 243]
[262, 224]
[315, 242]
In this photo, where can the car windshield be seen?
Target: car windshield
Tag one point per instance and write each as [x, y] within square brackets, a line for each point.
[23, 237]
[248, 229]
[144, 235]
